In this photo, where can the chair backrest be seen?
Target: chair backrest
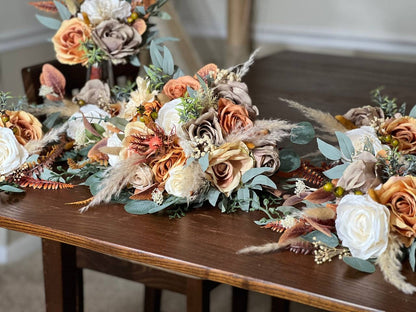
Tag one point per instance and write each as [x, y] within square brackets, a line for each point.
[75, 76]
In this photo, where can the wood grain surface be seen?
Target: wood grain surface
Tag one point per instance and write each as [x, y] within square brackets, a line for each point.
[204, 243]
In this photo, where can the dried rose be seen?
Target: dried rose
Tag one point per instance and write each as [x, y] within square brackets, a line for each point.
[404, 130]
[232, 116]
[94, 92]
[227, 164]
[117, 40]
[176, 88]
[364, 116]
[399, 195]
[68, 40]
[238, 93]
[360, 174]
[26, 127]
[207, 124]
[267, 156]
[174, 157]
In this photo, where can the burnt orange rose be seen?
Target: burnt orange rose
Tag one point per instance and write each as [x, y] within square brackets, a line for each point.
[232, 116]
[150, 107]
[161, 166]
[67, 42]
[25, 126]
[399, 195]
[176, 88]
[404, 130]
[209, 70]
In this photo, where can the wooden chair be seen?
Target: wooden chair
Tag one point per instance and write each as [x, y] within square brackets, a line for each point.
[155, 280]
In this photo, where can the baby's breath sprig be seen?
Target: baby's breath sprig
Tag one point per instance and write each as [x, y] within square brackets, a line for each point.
[201, 146]
[323, 253]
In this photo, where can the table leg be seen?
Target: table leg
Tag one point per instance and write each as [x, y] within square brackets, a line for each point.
[197, 296]
[152, 299]
[279, 304]
[240, 299]
[62, 278]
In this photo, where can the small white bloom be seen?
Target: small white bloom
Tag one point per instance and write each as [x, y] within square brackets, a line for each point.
[76, 127]
[363, 226]
[101, 10]
[168, 117]
[12, 153]
[360, 136]
[138, 97]
[157, 196]
[113, 141]
[185, 181]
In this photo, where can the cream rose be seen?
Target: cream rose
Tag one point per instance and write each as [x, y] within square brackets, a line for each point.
[360, 136]
[185, 181]
[113, 141]
[12, 154]
[138, 97]
[101, 10]
[168, 117]
[143, 178]
[363, 226]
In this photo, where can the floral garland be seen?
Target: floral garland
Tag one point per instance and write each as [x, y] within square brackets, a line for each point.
[360, 205]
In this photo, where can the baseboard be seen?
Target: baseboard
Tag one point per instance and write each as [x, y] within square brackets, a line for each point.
[23, 38]
[19, 249]
[314, 38]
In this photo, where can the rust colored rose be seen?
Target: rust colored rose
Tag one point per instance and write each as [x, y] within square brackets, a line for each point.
[176, 88]
[399, 195]
[227, 164]
[174, 157]
[209, 70]
[25, 126]
[404, 130]
[67, 41]
[150, 107]
[232, 116]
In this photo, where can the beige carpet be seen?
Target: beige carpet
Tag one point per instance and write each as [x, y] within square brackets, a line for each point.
[21, 290]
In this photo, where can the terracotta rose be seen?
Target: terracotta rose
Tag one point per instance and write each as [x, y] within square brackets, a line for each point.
[68, 39]
[174, 157]
[232, 116]
[404, 130]
[176, 88]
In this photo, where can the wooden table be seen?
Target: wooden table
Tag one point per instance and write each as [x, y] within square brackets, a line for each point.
[204, 243]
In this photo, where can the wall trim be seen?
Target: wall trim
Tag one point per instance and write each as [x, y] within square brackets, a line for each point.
[19, 249]
[23, 38]
[313, 38]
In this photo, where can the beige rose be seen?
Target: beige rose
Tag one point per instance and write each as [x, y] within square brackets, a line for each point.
[364, 116]
[117, 40]
[404, 130]
[143, 177]
[207, 124]
[227, 164]
[68, 39]
[267, 156]
[25, 126]
[399, 195]
[94, 92]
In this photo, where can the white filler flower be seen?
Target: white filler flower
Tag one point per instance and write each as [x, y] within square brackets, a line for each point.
[12, 153]
[101, 10]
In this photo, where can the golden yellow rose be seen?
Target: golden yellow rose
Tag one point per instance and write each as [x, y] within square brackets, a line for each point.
[25, 126]
[68, 39]
[227, 164]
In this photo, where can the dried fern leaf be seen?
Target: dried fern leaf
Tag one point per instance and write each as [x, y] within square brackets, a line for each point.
[43, 184]
[82, 202]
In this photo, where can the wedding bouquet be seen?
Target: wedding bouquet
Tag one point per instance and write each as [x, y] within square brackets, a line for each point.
[360, 205]
[91, 31]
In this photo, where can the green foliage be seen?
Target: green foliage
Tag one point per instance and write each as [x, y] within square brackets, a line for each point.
[303, 133]
[191, 108]
[336, 172]
[62, 10]
[360, 264]
[4, 98]
[389, 106]
[345, 144]
[329, 151]
[49, 22]
[289, 160]
[412, 256]
[93, 52]
[10, 188]
[121, 94]
[317, 236]
[396, 164]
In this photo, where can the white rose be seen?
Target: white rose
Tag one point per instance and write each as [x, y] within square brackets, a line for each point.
[143, 177]
[185, 181]
[363, 226]
[101, 10]
[12, 153]
[113, 141]
[76, 125]
[168, 117]
[361, 136]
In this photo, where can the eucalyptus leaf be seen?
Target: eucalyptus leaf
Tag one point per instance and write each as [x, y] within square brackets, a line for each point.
[202, 83]
[140, 9]
[213, 195]
[49, 22]
[255, 200]
[360, 264]
[134, 60]
[170, 201]
[251, 173]
[164, 15]
[303, 133]
[317, 236]
[178, 73]
[32, 158]
[168, 64]
[287, 209]
[191, 92]
[51, 120]
[62, 10]
[412, 256]
[11, 189]
[204, 162]
[139, 206]
[263, 180]
[328, 150]
[120, 123]
[243, 196]
[345, 144]
[413, 112]
[155, 55]
[289, 160]
[189, 161]
[336, 172]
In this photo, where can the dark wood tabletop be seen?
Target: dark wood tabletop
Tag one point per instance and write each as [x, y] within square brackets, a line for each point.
[204, 243]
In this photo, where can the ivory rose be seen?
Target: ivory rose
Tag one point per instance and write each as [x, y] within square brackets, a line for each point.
[101, 10]
[168, 117]
[185, 181]
[361, 136]
[174, 157]
[363, 226]
[404, 130]
[176, 88]
[399, 195]
[12, 153]
[68, 39]
[26, 127]
[232, 116]
[227, 164]
[143, 177]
